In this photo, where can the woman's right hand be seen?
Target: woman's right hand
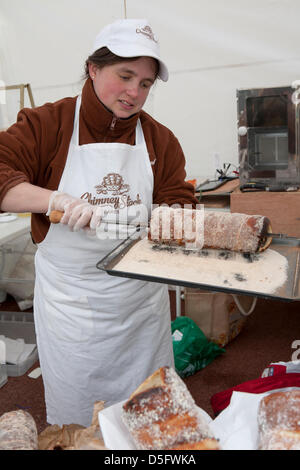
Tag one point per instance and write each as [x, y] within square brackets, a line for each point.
[78, 214]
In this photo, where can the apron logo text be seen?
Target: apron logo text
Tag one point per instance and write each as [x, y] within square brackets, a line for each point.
[112, 183]
[115, 202]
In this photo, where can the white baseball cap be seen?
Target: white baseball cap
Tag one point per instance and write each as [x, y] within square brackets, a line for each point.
[131, 38]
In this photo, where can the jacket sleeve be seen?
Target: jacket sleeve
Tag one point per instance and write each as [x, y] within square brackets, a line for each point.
[19, 152]
[34, 149]
[170, 185]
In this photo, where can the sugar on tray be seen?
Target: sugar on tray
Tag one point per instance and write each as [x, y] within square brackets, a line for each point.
[260, 272]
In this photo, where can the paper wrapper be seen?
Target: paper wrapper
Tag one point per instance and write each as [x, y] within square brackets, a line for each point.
[236, 427]
[74, 436]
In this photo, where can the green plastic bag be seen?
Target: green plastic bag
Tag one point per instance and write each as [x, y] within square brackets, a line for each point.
[192, 350]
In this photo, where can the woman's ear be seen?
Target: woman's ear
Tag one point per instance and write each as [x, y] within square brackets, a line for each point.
[92, 70]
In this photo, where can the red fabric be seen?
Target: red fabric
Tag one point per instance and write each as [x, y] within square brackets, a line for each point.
[275, 369]
[221, 400]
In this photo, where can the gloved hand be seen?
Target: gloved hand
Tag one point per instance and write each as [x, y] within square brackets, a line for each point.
[78, 214]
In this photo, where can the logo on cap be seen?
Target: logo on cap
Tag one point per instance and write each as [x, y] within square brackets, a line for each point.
[147, 31]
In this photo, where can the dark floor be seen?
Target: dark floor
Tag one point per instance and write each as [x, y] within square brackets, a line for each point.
[267, 337]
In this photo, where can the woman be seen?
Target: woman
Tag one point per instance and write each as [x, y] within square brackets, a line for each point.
[98, 336]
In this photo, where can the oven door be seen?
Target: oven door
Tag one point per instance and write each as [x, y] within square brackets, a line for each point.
[268, 148]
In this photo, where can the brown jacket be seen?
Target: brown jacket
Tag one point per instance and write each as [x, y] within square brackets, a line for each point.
[35, 148]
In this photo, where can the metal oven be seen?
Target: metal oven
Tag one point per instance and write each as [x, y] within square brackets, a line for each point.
[268, 135]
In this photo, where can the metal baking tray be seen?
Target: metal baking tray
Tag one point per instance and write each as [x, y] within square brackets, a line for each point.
[289, 291]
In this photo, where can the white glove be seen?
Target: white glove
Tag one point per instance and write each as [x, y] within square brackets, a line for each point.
[78, 214]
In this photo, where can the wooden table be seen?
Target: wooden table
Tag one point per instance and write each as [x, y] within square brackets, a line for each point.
[282, 208]
[218, 198]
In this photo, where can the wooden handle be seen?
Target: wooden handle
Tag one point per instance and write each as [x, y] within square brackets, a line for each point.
[55, 216]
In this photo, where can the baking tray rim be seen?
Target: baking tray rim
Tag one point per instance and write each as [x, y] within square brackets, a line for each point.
[113, 257]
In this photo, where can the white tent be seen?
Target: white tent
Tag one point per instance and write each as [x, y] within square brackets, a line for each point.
[212, 48]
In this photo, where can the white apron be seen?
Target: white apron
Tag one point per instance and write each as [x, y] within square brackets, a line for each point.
[98, 336]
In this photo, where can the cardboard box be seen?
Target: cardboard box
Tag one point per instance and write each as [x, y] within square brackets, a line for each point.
[282, 208]
[218, 314]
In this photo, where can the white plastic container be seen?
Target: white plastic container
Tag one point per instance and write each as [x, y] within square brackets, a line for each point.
[3, 375]
[16, 325]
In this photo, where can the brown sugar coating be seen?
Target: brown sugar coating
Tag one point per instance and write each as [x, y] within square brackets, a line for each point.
[209, 229]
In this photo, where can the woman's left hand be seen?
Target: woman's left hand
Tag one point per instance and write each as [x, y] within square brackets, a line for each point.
[77, 214]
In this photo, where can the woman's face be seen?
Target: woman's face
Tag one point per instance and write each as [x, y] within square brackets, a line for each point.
[123, 87]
